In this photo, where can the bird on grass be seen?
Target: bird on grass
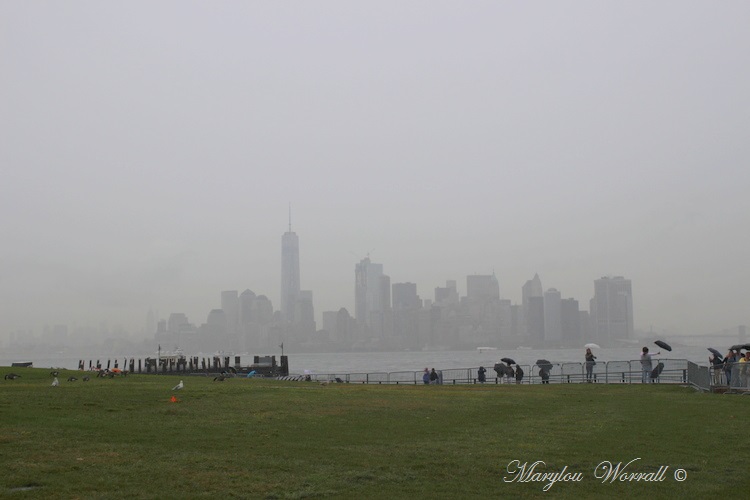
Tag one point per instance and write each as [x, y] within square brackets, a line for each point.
[86, 378]
[220, 378]
[178, 386]
[55, 383]
[72, 379]
[12, 376]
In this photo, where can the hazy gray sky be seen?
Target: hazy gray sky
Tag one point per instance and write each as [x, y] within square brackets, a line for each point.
[149, 150]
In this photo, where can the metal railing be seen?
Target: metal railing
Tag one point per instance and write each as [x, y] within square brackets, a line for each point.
[674, 371]
[732, 377]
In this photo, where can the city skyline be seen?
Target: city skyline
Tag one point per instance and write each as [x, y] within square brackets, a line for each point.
[149, 158]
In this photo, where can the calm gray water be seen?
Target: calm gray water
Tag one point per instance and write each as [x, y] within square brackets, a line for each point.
[368, 362]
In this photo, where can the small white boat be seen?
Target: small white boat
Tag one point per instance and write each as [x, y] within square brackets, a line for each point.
[482, 349]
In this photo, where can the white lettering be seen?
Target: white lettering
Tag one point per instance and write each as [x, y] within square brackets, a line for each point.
[523, 473]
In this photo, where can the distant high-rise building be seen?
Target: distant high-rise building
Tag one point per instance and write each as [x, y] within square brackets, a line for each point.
[290, 284]
[303, 311]
[230, 304]
[447, 295]
[176, 320]
[612, 309]
[571, 322]
[534, 311]
[532, 288]
[246, 300]
[584, 322]
[371, 292]
[405, 296]
[406, 307]
[482, 287]
[532, 327]
[552, 316]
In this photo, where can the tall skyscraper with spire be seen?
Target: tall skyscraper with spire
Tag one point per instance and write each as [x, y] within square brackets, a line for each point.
[290, 287]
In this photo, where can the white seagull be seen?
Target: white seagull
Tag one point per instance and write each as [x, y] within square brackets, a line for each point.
[178, 386]
[55, 382]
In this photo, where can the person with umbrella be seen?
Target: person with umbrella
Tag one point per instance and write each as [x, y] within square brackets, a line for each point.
[717, 364]
[544, 369]
[646, 365]
[590, 362]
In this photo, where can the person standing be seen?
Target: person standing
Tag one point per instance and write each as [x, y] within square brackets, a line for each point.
[716, 367]
[744, 368]
[729, 361]
[590, 362]
[481, 374]
[426, 376]
[646, 365]
[433, 377]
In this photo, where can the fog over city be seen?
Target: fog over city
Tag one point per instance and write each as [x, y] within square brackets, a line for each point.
[151, 151]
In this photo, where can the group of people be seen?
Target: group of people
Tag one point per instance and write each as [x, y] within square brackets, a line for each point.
[733, 364]
[649, 372]
[431, 377]
[505, 372]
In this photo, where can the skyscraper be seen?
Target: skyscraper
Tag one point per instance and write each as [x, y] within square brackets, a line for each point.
[290, 286]
[482, 287]
[612, 309]
[372, 292]
[532, 305]
[571, 322]
[532, 288]
[230, 304]
[552, 316]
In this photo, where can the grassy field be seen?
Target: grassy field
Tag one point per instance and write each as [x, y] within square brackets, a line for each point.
[255, 438]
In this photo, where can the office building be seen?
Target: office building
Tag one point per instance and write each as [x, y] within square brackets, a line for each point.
[612, 309]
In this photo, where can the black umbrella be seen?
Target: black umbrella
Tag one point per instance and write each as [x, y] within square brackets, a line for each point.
[508, 360]
[657, 371]
[740, 346]
[715, 353]
[544, 364]
[663, 345]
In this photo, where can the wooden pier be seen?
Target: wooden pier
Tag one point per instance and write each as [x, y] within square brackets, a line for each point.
[263, 366]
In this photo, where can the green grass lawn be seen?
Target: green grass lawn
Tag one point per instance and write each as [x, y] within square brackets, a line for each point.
[255, 438]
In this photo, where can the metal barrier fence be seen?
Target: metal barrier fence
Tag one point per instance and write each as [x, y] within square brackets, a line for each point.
[674, 371]
[734, 377]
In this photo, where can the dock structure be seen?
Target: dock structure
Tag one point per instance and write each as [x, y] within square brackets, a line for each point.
[263, 366]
